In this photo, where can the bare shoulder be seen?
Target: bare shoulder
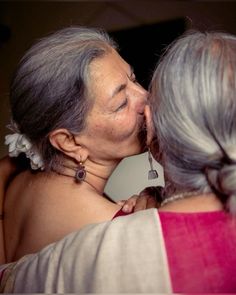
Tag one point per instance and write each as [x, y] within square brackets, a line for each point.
[29, 214]
[49, 209]
[17, 209]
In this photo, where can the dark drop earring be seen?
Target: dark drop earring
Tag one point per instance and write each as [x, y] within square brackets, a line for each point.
[80, 172]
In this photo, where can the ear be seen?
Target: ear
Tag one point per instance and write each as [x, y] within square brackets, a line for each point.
[149, 124]
[65, 142]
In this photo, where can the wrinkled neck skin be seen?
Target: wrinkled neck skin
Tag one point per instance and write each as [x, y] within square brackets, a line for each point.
[97, 173]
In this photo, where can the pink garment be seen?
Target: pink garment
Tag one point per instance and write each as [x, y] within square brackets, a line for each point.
[121, 213]
[201, 251]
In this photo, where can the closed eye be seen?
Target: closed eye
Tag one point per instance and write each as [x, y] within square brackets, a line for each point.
[123, 105]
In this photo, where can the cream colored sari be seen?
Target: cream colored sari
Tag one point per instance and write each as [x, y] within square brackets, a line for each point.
[125, 255]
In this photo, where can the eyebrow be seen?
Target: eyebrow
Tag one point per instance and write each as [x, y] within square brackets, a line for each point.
[121, 87]
[118, 89]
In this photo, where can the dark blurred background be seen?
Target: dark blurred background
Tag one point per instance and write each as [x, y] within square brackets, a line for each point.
[142, 46]
[142, 29]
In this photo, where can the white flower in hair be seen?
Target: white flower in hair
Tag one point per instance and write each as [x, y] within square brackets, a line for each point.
[36, 161]
[19, 143]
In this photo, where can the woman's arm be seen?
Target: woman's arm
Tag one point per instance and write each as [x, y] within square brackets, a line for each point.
[7, 170]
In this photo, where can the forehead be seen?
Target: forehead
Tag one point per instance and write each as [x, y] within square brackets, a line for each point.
[107, 72]
[111, 60]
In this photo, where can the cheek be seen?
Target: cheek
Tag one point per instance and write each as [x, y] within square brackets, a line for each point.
[125, 125]
[117, 129]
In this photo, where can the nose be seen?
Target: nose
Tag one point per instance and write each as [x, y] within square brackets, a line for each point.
[142, 96]
[143, 92]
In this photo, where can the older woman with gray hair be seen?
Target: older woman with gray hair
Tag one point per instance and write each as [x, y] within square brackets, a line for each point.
[193, 102]
[188, 244]
[77, 111]
[194, 113]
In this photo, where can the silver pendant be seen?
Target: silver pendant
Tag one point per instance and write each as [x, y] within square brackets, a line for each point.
[152, 173]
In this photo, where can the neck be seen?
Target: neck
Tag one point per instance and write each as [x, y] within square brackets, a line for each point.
[192, 202]
[97, 174]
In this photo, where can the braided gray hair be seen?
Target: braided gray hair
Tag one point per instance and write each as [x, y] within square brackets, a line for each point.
[193, 101]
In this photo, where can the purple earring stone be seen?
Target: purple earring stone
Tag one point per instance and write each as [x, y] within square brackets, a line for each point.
[80, 173]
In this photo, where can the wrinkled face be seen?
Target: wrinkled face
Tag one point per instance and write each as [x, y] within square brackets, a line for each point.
[114, 122]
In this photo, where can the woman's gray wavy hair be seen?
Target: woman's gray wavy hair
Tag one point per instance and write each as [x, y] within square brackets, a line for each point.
[193, 101]
[49, 88]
